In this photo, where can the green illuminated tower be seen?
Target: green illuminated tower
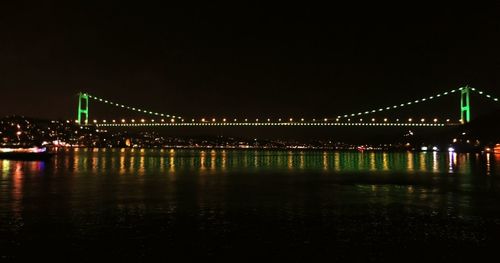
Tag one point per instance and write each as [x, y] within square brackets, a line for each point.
[83, 108]
[465, 105]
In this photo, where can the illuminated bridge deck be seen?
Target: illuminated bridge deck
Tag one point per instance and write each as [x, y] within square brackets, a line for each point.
[281, 124]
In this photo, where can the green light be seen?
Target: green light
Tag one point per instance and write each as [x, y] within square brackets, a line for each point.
[465, 105]
[83, 108]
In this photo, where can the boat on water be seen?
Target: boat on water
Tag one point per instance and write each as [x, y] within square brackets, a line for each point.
[28, 154]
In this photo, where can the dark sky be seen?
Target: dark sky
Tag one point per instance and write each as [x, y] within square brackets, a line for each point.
[245, 59]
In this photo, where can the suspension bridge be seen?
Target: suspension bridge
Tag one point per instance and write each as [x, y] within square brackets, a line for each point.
[361, 118]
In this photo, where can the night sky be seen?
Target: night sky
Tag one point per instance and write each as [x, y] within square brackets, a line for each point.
[252, 60]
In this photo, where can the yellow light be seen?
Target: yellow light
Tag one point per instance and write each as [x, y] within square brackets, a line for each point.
[95, 121]
[172, 120]
[291, 119]
[302, 119]
[203, 120]
[435, 120]
[224, 120]
[422, 120]
[123, 120]
[410, 119]
[133, 120]
[143, 120]
[373, 119]
[268, 119]
[213, 120]
[385, 119]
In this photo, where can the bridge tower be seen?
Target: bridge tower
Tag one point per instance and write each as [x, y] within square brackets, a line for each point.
[465, 105]
[83, 108]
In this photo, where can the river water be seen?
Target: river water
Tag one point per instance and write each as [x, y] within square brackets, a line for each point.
[245, 204]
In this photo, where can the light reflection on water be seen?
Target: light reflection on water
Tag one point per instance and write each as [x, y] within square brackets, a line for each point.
[89, 190]
[380, 177]
[143, 161]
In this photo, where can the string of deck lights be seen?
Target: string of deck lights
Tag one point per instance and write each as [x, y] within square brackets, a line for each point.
[273, 124]
[132, 108]
[280, 121]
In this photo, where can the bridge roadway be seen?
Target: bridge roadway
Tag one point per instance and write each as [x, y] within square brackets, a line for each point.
[288, 124]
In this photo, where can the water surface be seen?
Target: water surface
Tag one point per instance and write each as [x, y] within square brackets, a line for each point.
[140, 203]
